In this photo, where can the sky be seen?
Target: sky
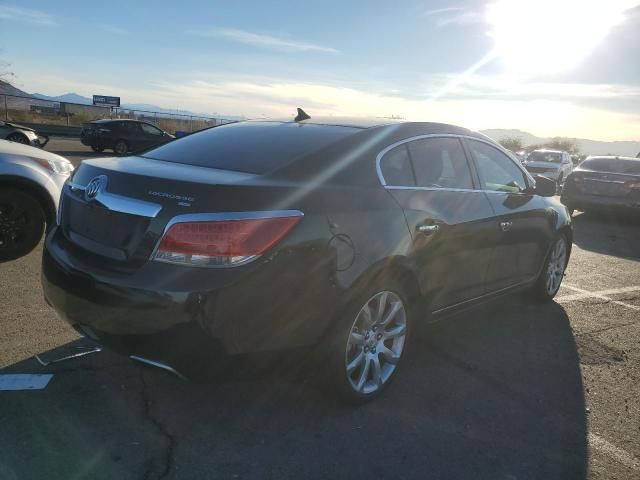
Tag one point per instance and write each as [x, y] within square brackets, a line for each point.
[549, 67]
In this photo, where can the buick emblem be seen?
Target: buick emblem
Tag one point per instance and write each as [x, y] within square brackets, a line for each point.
[94, 187]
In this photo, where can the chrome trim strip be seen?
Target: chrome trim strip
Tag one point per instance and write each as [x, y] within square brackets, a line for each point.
[132, 206]
[221, 216]
[437, 189]
[122, 204]
[157, 364]
[443, 135]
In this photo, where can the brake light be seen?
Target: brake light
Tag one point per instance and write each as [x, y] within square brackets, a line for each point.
[222, 242]
[632, 184]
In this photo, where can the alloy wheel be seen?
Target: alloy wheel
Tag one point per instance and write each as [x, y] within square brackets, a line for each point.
[376, 342]
[556, 266]
[13, 224]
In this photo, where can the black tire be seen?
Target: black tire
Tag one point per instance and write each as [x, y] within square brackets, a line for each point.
[541, 291]
[22, 222]
[121, 147]
[97, 149]
[337, 345]
[18, 138]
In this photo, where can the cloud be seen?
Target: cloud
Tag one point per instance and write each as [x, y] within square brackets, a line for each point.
[263, 41]
[481, 101]
[463, 18]
[25, 15]
[112, 29]
[438, 11]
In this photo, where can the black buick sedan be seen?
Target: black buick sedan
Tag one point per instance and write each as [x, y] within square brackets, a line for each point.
[262, 236]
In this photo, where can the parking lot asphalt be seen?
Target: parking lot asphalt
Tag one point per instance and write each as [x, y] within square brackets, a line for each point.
[512, 390]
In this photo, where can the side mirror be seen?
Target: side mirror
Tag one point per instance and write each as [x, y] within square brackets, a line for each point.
[545, 187]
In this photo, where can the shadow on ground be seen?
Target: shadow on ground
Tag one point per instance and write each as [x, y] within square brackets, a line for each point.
[493, 394]
[608, 233]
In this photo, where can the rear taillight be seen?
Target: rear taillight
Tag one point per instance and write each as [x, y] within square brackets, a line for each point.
[224, 242]
[632, 185]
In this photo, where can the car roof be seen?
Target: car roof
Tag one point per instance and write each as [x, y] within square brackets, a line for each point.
[612, 157]
[366, 123]
[109, 120]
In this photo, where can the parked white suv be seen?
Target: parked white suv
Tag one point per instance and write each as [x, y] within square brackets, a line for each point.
[553, 164]
[30, 184]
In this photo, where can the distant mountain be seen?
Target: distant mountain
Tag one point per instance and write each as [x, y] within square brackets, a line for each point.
[67, 97]
[75, 98]
[586, 146]
[8, 89]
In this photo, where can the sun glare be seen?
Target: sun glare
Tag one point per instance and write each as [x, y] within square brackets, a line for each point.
[534, 36]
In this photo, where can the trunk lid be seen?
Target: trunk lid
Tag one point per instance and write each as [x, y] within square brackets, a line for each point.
[138, 196]
[605, 184]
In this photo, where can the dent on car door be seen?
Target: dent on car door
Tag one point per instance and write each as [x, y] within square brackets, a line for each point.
[430, 178]
[520, 222]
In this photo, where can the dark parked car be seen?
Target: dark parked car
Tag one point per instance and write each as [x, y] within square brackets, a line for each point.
[122, 136]
[260, 236]
[21, 134]
[604, 183]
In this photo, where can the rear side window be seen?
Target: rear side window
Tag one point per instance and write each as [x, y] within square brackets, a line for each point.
[440, 163]
[249, 147]
[612, 165]
[396, 167]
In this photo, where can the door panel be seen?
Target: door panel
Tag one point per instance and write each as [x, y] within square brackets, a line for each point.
[520, 220]
[452, 258]
[448, 220]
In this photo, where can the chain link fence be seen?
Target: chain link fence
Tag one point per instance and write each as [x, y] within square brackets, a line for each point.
[32, 110]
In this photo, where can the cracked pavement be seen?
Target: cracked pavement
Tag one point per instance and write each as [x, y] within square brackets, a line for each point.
[511, 390]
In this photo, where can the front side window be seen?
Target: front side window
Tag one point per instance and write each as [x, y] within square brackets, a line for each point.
[150, 129]
[440, 163]
[497, 172]
[396, 167]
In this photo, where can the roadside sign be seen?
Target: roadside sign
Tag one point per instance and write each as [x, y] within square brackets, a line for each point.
[104, 101]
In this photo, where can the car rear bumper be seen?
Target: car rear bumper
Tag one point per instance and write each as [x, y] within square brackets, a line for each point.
[254, 312]
[583, 201]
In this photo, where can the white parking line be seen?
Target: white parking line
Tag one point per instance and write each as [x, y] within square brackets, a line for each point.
[602, 294]
[621, 456]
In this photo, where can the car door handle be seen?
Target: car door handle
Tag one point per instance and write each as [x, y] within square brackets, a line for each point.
[506, 226]
[428, 229]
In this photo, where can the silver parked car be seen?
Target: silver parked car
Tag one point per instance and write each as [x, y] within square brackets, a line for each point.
[21, 134]
[553, 164]
[30, 184]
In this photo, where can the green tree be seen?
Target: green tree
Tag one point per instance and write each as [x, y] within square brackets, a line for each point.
[511, 143]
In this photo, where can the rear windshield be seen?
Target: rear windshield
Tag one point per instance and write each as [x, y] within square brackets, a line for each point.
[553, 157]
[250, 147]
[612, 165]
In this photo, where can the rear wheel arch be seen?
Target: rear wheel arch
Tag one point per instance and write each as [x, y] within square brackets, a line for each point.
[389, 270]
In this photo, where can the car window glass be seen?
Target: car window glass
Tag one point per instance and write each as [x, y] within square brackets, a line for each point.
[150, 129]
[251, 147]
[497, 171]
[440, 162]
[396, 167]
[127, 127]
[612, 165]
[539, 156]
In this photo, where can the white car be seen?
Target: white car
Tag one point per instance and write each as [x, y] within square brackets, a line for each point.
[553, 164]
[31, 180]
